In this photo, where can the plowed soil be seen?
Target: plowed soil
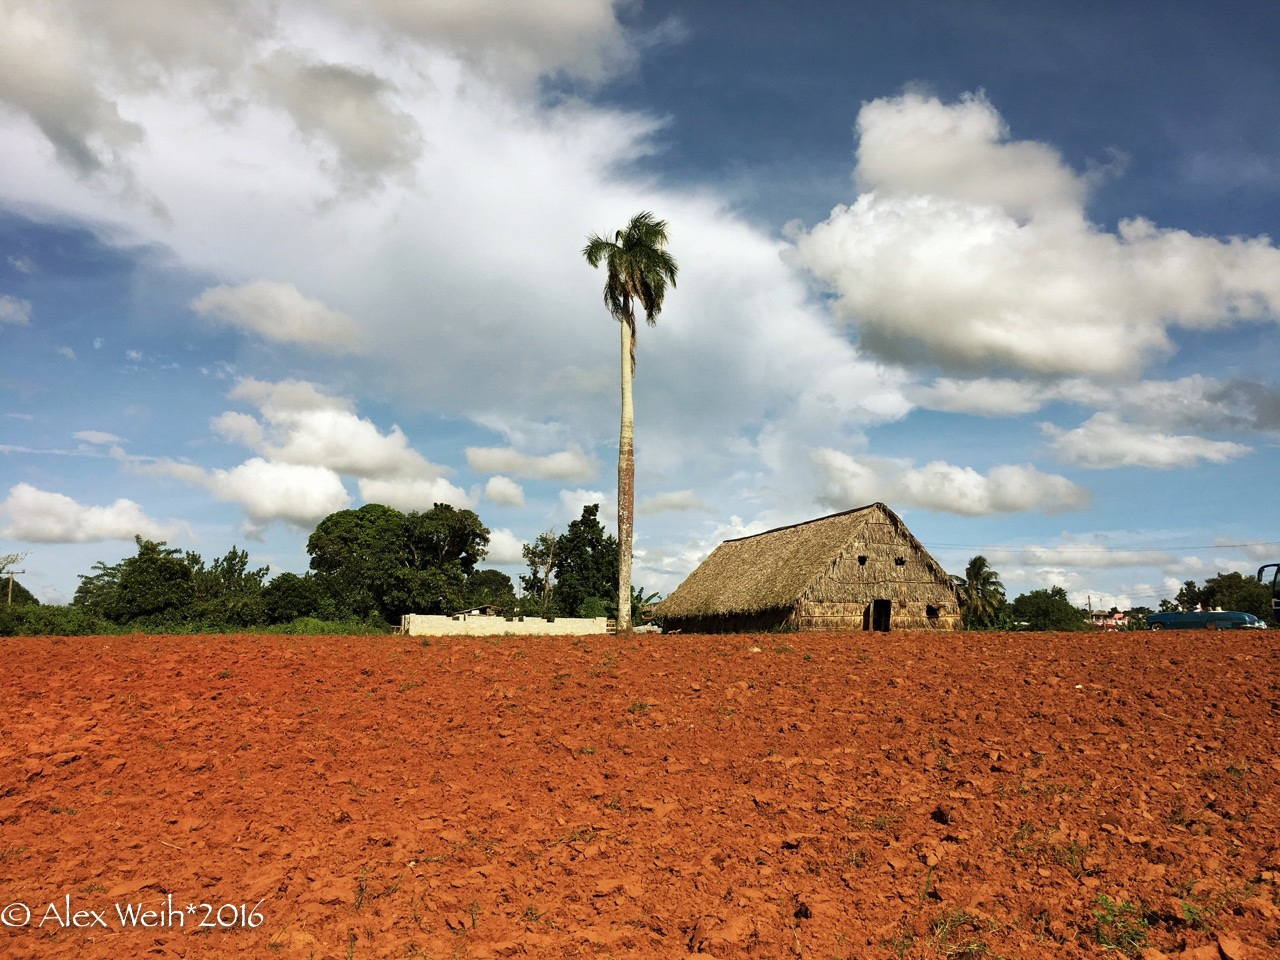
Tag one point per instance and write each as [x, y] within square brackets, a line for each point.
[818, 796]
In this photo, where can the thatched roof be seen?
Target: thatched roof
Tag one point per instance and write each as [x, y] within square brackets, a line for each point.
[771, 570]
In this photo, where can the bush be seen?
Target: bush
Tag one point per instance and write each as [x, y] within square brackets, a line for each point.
[45, 620]
[312, 626]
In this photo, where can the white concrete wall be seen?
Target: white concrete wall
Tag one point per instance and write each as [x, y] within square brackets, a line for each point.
[420, 625]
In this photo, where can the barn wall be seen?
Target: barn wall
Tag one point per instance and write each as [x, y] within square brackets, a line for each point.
[762, 622]
[864, 572]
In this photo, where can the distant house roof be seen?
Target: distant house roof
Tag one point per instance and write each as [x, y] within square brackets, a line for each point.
[487, 610]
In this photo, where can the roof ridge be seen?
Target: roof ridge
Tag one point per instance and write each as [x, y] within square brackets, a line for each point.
[802, 523]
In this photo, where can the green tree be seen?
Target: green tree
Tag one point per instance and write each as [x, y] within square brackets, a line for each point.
[490, 587]
[1190, 597]
[586, 567]
[641, 601]
[379, 560]
[1047, 610]
[227, 593]
[96, 592]
[289, 597]
[638, 271]
[156, 584]
[1239, 591]
[982, 594]
[536, 584]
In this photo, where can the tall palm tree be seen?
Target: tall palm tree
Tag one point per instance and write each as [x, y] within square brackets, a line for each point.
[639, 270]
[983, 593]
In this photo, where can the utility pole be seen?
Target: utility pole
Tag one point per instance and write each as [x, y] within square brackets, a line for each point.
[6, 566]
[11, 573]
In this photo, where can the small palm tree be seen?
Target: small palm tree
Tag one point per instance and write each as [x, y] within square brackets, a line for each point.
[982, 593]
[639, 270]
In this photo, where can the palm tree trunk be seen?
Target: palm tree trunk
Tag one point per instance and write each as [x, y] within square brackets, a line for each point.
[626, 483]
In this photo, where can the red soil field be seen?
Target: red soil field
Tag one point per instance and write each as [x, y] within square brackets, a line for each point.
[823, 796]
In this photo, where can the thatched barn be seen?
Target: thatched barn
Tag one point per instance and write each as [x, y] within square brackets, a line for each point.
[857, 570]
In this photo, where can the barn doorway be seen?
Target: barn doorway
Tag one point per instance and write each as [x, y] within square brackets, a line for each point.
[880, 615]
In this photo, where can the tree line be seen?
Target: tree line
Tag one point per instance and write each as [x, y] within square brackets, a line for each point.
[369, 566]
[985, 607]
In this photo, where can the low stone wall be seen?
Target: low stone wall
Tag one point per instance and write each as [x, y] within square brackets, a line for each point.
[420, 625]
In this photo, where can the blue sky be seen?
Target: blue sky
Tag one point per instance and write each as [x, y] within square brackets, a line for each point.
[1005, 268]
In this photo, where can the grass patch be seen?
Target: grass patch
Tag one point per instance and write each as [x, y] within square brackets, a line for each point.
[1119, 925]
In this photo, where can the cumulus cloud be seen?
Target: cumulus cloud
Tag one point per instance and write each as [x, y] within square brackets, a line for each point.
[306, 441]
[302, 425]
[846, 483]
[1090, 555]
[347, 108]
[504, 548]
[297, 493]
[504, 491]
[1104, 441]
[971, 250]
[567, 465]
[14, 311]
[672, 500]
[278, 312]
[572, 502]
[1193, 401]
[915, 145]
[413, 493]
[984, 396]
[512, 42]
[41, 516]
[45, 76]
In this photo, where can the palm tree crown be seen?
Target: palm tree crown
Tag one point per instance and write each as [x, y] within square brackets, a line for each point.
[983, 593]
[639, 271]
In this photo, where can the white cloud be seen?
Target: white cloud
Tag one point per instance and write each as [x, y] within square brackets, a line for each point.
[505, 491]
[65, 352]
[239, 428]
[14, 311]
[303, 425]
[278, 312]
[300, 494]
[45, 74]
[970, 250]
[1193, 401]
[413, 493]
[514, 42]
[1091, 556]
[347, 108]
[915, 145]
[846, 483]
[984, 396]
[572, 502]
[504, 548]
[1104, 441]
[41, 516]
[674, 500]
[567, 465]
[97, 437]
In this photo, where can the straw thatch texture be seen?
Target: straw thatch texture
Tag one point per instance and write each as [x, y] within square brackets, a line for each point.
[825, 574]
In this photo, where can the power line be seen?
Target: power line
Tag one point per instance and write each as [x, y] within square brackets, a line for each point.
[1102, 549]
